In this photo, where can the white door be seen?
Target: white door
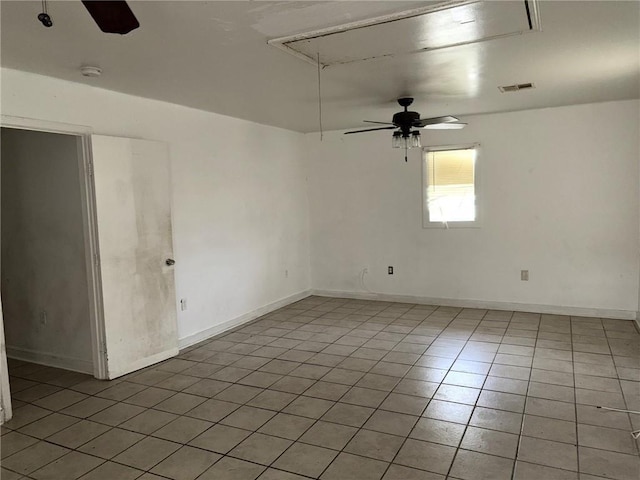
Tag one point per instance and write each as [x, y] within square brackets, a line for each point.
[133, 212]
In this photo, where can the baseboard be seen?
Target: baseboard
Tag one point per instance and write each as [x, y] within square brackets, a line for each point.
[119, 370]
[50, 359]
[235, 322]
[454, 302]
[637, 321]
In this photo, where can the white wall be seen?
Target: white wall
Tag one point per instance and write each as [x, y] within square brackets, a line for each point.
[240, 208]
[559, 198]
[44, 279]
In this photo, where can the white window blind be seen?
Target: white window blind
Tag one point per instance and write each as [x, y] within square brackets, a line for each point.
[450, 185]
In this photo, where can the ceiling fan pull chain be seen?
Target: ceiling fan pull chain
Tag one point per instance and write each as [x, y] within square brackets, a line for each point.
[319, 98]
[44, 17]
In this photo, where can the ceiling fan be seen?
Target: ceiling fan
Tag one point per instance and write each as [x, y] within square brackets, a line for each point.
[113, 16]
[406, 122]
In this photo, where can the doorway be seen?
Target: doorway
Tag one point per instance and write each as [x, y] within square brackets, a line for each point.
[48, 281]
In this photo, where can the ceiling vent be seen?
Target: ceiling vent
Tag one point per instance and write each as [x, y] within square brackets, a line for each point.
[516, 87]
[441, 24]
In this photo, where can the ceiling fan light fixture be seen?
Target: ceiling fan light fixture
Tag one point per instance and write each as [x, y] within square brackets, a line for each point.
[415, 140]
[397, 141]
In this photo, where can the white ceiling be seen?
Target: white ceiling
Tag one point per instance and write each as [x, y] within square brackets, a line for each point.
[214, 56]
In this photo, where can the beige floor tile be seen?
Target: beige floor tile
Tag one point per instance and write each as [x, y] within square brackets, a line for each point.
[546, 452]
[13, 442]
[479, 466]
[248, 418]
[530, 471]
[408, 404]
[220, 438]
[380, 446]
[352, 467]
[416, 387]
[274, 474]
[213, 410]
[147, 453]
[606, 439]
[549, 429]
[187, 463]
[150, 397]
[286, 426]
[501, 420]
[116, 414]
[324, 390]
[609, 464]
[33, 457]
[48, 425]
[87, 407]
[148, 421]
[232, 469]
[329, 435]
[78, 434]
[426, 456]
[260, 448]
[111, 443]
[448, 411]
[292, 384]
[551, 409]
[399, 472]
[345, 414]
[501, 401]
[112, 471]
[391, 422]
[182, 429]
[59, 400]
[70, 467]
[305, 459]
[493, 442]
[308, 407]
[25, 415]
[438, 431]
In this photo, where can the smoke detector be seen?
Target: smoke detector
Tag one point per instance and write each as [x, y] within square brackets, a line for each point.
[90, 71]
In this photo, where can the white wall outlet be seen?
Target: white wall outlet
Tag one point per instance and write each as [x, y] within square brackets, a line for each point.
[183, 304]
[524, 275]
[43, 317]
[286, 274]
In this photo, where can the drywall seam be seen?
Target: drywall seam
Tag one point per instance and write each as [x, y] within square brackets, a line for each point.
[470, 303]
[50, 359]
[242, 319]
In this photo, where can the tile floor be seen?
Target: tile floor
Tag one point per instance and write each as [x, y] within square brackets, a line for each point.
[342, 389]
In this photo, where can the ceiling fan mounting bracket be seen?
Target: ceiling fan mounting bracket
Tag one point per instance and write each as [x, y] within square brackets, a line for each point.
[405, 101]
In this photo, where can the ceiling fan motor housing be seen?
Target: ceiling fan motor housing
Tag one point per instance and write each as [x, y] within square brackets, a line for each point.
[406, 121]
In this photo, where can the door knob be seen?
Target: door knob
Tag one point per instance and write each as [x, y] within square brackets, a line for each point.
[170, 261]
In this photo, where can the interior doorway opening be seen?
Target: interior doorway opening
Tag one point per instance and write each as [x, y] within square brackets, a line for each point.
[48, 280]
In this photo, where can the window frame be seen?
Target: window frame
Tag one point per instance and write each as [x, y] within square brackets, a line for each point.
[477, 223]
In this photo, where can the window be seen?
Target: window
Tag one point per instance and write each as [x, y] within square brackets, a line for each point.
[450, 186]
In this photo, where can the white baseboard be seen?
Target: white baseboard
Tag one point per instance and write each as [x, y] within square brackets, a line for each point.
[51, 359]
[454, 302]
[247, 317]
[120, 370]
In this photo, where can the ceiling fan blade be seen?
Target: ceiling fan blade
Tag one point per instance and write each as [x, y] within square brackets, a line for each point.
[432, 121]
[380, 123]
[371, 130]
[112, 16]
[446, 126]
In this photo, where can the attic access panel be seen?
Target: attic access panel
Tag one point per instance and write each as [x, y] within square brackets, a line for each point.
[440, 25]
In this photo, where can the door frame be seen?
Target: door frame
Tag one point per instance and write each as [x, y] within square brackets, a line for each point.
[89, 221]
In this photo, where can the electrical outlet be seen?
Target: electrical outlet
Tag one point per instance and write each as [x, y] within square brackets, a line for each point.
[183, 304]
[390, 270]
[524, 275]
[43, 317]
[286, 274]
